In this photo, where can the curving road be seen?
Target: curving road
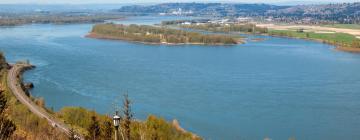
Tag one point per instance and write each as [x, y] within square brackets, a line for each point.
[16, 89]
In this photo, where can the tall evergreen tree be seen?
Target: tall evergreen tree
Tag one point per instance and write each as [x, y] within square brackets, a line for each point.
[94, 129]
[7, 127]
[128, 116]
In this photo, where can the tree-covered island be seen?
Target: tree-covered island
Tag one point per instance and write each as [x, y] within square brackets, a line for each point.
[159, 35]
[342, 40]
[226, 28]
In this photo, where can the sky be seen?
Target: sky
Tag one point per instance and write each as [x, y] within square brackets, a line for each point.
[157, 1]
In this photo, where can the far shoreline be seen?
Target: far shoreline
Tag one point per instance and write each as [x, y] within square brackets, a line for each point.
[348, 49]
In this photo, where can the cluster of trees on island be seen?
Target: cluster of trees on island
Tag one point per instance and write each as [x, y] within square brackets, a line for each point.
[157, 35]
[336, 39]
[217, 27]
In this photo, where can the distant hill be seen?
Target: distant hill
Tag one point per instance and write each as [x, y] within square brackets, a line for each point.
[211, 9]
[342, 13]
[345, 12]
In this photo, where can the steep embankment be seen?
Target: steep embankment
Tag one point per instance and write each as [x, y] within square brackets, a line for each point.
[15, 85]
[35, 122]
[28, 125]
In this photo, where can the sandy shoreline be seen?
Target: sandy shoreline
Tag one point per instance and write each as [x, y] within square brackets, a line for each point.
[349, 49]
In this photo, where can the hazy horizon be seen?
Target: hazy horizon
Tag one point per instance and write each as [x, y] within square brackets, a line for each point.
[168, 1]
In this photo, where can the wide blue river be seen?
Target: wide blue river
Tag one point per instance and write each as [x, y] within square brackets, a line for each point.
[277, 88]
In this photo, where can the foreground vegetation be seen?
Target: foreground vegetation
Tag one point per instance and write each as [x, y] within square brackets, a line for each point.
[19, 123]
[99, 127]
[157, 35]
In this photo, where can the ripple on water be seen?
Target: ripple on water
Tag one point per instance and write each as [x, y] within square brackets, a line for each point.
[278, 87]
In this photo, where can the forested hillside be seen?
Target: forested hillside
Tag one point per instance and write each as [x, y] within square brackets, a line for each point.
[213, 9]
[341, 13]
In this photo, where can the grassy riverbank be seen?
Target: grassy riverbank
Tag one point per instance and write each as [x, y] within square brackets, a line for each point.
[226, 28]
[343, 26]
[345, 37]
[342, 41]
[158, 35]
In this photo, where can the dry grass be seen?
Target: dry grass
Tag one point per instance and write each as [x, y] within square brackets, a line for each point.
[309, 28]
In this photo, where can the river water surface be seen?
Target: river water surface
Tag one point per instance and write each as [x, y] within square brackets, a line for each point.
[277, 88]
